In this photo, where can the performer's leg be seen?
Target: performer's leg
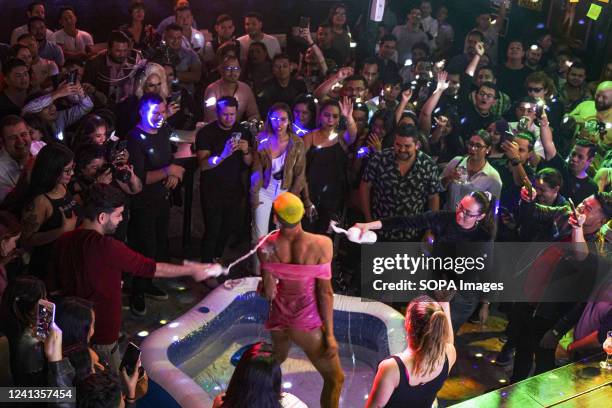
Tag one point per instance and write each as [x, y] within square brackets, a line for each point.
[313, 345]
[281, 343]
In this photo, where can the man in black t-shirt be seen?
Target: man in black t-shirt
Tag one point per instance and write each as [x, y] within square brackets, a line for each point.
[577, 184]
[283, 87]
[513, 73]
[152, 160]
[478, 114]
[17, 79]
[224, 152]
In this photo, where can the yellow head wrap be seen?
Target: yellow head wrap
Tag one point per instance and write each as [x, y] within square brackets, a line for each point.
[289, 208]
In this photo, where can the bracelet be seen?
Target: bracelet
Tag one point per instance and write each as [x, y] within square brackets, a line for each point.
[165, 170]
[130, 400]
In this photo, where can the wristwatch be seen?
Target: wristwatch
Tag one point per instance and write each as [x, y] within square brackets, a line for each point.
[515, 162]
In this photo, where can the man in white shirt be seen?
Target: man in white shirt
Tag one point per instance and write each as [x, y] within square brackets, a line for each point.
[192, 38]
[35, 9]
[253, 23]
[15, 141]
[409, 34]
[76, 44]
[429, 24]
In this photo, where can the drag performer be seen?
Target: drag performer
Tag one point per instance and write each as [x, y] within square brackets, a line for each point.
[296, 268]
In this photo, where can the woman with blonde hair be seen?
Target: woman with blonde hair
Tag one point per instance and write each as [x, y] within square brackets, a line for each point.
[151, 80]
[413, 377]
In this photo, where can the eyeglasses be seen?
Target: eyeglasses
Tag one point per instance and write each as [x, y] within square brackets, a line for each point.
[69, 170]
[154, 85]
[465, 212]
[477, 146]
[275, 119]
[232, 68]
[486, 95]
[534, 89]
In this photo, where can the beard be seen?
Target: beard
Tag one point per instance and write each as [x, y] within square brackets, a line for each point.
[403, 156]
[109, 228]
[120, 60]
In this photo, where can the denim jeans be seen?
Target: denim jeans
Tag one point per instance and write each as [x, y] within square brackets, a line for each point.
[462, 306]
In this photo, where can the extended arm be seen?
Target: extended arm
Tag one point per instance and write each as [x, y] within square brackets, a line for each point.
[432, 102]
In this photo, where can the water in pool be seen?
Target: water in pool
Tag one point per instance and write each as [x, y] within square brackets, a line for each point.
[212, 370]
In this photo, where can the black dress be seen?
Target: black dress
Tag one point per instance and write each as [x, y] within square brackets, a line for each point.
[423, 395]
[41, 255]
[326, 172]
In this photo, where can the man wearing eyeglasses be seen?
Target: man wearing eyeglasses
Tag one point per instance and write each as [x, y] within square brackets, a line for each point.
[479, 114]
[229, 85]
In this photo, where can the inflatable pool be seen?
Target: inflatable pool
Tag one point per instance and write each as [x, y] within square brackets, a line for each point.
[189, 359]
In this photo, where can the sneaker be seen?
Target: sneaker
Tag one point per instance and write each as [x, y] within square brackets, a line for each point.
[505, 356]
[503, 338]
[156, 293]
[137, 305]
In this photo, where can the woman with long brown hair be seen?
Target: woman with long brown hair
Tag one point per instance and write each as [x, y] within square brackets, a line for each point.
[413, 377]
[278, 166]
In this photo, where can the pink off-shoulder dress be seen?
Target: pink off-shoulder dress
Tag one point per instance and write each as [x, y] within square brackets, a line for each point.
[295, 305]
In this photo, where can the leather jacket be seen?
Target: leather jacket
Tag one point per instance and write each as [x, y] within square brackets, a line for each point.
[294, 169]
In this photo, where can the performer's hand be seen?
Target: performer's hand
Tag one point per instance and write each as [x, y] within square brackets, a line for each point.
[331, 346]
[367, 226]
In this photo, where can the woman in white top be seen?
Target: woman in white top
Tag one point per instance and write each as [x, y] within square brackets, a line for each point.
[278, 166]
[473, 172]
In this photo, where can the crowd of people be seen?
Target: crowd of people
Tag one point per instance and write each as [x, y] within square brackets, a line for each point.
[407, 136]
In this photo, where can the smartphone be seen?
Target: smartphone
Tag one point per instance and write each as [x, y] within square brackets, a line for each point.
[176, 97]
[72, 76]
[573, 207]
[130, 358]
[236, 136]
[507, 135]
[45, 316]
[304, 22]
